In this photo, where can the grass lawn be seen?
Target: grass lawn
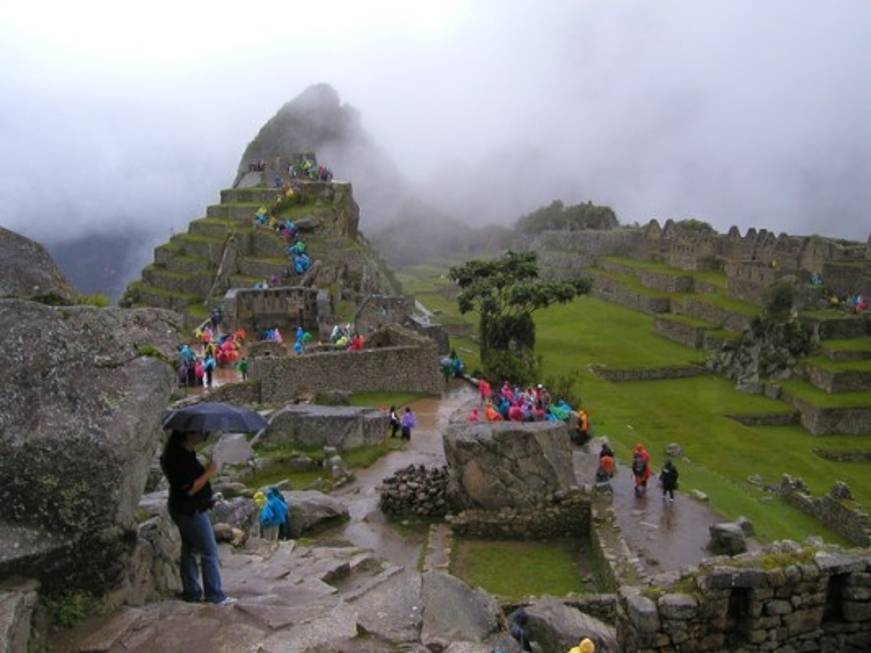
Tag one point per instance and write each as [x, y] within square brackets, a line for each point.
[849, 344]
[692, 412]
[720, 452]
[840, 366]
[513, 569]
[354, 458]
[822, 399]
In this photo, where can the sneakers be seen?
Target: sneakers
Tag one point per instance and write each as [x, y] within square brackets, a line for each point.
[227, 601]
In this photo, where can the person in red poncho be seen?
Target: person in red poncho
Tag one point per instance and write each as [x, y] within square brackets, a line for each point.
[640, 468]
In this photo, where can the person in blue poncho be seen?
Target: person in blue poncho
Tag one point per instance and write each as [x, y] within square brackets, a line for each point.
[273, 513]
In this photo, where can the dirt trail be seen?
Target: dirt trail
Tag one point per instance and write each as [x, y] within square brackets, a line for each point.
[367, 527]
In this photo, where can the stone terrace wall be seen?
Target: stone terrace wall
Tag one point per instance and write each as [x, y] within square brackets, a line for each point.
[389, 369]
[836, 510]
[788, 599]
[613, 291]
[567, 514]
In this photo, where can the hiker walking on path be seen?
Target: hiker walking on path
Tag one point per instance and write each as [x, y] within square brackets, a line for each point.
[395, 424]
[408, 423]
[243, 368]
[668, 479]
[190, 497]
[209, 368]
[640, 468]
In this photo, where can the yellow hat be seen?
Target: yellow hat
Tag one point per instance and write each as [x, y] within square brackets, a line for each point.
[259, 499]
[585, 646]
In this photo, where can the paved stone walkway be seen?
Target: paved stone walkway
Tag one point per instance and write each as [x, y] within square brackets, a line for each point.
[665, 536]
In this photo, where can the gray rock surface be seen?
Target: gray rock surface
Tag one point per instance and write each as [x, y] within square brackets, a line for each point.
[308, 426]
[501, 465]
[727, 538]
[310, 509]
[153, 567]
[17, 601]
[453, 611]
[555, 626]
[239, 512]
[79, 423]
[27, 271]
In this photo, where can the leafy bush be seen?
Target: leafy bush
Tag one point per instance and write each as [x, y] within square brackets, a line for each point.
[779, 300]
[70, 608]
[697, 226]
[565, 386]
[517, 367]
[97, 299]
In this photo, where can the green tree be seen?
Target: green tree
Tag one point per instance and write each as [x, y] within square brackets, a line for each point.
[505, 292]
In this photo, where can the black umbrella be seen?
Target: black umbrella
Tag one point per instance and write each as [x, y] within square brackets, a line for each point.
[214, 416]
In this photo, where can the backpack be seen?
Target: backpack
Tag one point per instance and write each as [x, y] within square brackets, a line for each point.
[638, 464]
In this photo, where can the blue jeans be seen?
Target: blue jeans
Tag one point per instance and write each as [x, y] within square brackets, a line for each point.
[197, 538]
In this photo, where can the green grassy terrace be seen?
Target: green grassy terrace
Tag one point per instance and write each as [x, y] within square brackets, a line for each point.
[713, 277]
[840, 366]
[821, 399]
[720, 452]
[850, 344]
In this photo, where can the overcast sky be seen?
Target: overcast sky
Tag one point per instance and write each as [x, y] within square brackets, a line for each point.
[740, 112]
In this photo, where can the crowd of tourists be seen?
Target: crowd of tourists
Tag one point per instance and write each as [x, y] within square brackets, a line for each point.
[198, 368]
[305, 169]
[299, 260]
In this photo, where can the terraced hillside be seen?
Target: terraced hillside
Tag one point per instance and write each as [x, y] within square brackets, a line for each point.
[225, 249]
[734, 443]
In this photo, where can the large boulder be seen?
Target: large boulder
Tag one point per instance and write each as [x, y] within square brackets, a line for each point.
[727, 538]
[508, 464]
[454, 612]
[80, 421]
[310, 509]
[240, 512]
[27, 271]
[555, 626]
[310, 426]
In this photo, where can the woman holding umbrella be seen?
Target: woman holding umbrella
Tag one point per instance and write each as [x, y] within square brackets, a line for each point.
[190, 494]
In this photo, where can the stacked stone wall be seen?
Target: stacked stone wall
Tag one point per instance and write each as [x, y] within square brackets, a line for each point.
[613, 291]
[685, 334]
[787, 600]
[389, 369]
[566, 514]
[837, 510]
[838, 380]
[419, 491]
[830, 421]
[648, 374]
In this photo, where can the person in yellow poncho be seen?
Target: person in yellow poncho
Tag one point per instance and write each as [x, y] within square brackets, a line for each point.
[584, 646]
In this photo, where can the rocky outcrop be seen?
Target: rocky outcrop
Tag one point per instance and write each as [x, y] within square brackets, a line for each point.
[452, 611]
[310, 509]
[310, 426]
[80, 421]
[501, 465]
[555, 626]
[17, 602]
[153, 568]
[766, 350]
[28, 272]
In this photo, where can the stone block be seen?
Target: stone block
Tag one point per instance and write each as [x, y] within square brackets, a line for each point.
[642, 613]
[778, 607]
[802, 621]
[857, 611]
[678, 606]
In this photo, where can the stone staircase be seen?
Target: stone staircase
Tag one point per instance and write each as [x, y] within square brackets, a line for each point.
[184, 275]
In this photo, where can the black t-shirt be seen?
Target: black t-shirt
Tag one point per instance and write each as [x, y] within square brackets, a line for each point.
[182, 468]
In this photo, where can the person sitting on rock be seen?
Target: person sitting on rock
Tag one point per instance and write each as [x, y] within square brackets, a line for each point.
[474, 416]
[515, 412]
[586, 645]
[517, 628]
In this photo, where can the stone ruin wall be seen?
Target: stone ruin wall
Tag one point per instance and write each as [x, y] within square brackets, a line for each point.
[797, 599]
[837, 510]
[286, 307]
[398, 360]
[747, 260]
